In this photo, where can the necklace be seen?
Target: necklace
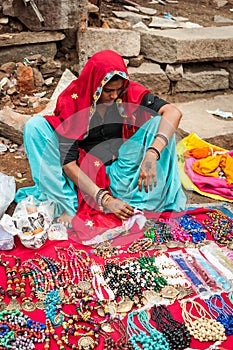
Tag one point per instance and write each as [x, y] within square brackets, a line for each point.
[200, 323]
[175, 332]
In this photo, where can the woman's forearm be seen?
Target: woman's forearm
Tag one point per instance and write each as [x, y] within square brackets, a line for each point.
[80, 179]
[169, 123]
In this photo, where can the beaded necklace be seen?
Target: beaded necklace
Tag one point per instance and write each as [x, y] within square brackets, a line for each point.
[158, 231]
[171, 271]
[220, 310]
[209, 253]
[178, 257]
[12, 280]
[149, 264]
[99, 282]
[200, 323]
[18, 331]
[175, 332]
[222, 282]
[120, 281]
[177, 231]
[153, 341]
[219, 226]
[193, 228]
[200, 272]
[122, 342]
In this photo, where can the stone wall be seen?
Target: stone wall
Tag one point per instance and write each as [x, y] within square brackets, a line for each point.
[168, 60]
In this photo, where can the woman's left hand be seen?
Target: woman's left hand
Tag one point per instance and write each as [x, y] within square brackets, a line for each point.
[147, 176]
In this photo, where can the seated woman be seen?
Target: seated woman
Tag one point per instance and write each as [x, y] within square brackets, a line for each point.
[108, 149]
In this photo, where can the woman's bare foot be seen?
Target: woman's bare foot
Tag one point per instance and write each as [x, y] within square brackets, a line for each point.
[65, 219]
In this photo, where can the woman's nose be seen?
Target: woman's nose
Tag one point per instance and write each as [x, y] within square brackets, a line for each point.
[114, 94]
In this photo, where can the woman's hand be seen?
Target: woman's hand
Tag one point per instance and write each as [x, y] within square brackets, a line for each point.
[147, 176]
[121, 209]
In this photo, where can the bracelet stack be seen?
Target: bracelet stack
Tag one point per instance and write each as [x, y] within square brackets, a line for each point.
[102, 197]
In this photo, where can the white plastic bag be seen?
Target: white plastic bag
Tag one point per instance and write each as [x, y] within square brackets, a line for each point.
[7, 192]
[30, 221]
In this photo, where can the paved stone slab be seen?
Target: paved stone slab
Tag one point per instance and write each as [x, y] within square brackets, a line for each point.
[188, 45]
[197, 119]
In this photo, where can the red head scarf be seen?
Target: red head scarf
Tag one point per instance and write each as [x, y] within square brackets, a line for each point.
[77, 103]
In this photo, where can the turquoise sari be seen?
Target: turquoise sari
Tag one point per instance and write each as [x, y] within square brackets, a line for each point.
[42, 148]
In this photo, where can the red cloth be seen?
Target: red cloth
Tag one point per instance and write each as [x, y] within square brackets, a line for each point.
[73, 109]
[89, 220]
[48, 249]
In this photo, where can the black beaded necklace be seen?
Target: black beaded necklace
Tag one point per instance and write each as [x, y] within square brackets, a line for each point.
[175, 332]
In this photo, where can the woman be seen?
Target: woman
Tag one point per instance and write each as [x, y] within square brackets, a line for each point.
[111, 140]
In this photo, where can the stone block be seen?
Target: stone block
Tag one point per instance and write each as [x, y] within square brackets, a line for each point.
[188, 45]
[151, 76]
[125, 42]
[17, 53]
[62, 14]
[202, 78]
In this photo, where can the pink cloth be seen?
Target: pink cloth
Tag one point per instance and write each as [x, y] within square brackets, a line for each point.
[208, 184]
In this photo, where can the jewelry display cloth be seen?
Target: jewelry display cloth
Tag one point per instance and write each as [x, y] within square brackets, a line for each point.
[48, 249]
[199, 165]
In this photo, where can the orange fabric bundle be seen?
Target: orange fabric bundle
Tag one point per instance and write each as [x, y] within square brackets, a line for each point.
[208, 166]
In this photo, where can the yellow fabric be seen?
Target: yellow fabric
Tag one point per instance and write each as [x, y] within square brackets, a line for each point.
[208, 166]
[190, 142]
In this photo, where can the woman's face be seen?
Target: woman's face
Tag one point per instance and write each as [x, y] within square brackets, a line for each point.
[111, 92]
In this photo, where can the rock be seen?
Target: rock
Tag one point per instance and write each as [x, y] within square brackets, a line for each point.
[151, 76]
[220, 19]
[51, 67]
[219, 3]
[140, 26]
[12, 124]
[136, 61]
[174, 71]
[131, 17]
[38, 77]
[117, 23]
[147, 10]
[8, 67]
[158, 22]
[25, 78]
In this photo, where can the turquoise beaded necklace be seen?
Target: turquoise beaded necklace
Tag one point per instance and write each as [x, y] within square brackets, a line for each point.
[140, 339]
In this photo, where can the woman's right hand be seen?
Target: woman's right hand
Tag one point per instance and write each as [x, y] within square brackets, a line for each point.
[118, 207]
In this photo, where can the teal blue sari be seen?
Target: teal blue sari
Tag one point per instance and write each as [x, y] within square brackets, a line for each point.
[42, 148]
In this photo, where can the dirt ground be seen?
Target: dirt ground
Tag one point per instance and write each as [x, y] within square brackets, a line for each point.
[201, 12]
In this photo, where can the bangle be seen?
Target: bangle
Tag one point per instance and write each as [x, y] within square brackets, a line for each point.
[105, 199]
[163, 137]
[100, 195]
[155, 150]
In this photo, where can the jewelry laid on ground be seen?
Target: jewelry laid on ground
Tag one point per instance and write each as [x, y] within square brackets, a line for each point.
[112, 300]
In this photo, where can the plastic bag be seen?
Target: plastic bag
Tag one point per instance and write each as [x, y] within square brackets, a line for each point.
[30, 221]
[7, 192]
